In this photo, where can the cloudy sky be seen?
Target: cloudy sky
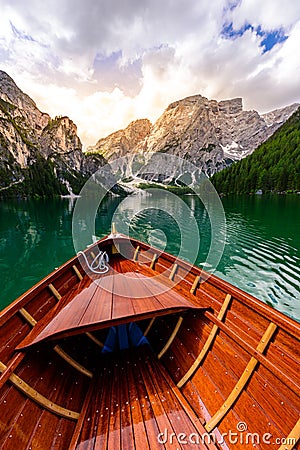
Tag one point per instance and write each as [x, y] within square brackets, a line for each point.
[107, 62]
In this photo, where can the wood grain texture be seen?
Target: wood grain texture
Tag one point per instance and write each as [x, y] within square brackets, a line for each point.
[207, 344]
[123, 295]
[140, 391]
[38, 398]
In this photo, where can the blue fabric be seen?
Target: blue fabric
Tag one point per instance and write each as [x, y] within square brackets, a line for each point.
[136, 335]
[110, 344]
[124, 336]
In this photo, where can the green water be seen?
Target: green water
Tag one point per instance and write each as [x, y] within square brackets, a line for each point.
[261, 254]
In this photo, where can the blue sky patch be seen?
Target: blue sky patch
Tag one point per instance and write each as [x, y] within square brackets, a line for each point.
[270, 38]
[230, 33]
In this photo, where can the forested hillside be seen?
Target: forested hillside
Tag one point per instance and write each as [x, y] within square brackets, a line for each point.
[273, 166]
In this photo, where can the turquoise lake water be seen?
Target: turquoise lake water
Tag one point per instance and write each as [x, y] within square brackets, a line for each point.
[261, 253]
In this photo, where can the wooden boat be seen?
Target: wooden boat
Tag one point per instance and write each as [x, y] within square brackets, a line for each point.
[151, 354]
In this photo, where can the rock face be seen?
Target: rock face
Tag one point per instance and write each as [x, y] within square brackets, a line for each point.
[37, 154]
[121, 142]
[207, 133]
[41, 155]
[59, 138]
[279, 116]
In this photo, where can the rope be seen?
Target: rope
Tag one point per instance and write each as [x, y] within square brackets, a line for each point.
[99, 263]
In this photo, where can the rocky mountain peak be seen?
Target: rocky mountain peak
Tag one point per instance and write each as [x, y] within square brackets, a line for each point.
[21, 108]
[231, 107]
[124, 141]
[137, 130]
[187, 102]
[209, 133]
[29, 137]
[10, 90]
[59, 138]
[279, 115]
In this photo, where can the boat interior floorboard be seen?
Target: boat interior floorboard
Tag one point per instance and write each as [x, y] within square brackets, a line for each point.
[152, 354]
[136, 405]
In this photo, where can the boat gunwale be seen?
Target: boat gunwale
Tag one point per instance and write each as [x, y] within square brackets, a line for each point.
[285, 322]
[23, 299]
[258, 306]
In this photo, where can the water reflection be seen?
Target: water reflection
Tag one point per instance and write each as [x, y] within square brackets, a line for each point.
[34, 239]
[261, 254]
[262, 251]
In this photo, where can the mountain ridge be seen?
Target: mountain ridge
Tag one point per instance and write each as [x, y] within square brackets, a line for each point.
[273, 167]
[40, 155]
[208, 133]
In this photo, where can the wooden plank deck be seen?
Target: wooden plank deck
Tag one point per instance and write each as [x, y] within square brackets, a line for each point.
[24, 422]
[122, 295]
[136, 405]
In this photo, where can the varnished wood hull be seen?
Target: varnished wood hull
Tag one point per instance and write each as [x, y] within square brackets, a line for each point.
[220, 364]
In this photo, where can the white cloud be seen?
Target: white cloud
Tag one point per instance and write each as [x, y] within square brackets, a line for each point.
[107, 63]
[272, 14]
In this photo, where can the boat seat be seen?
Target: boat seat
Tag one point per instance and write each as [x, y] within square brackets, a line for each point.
[128, 266]
[136, 405]
[112, 299]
